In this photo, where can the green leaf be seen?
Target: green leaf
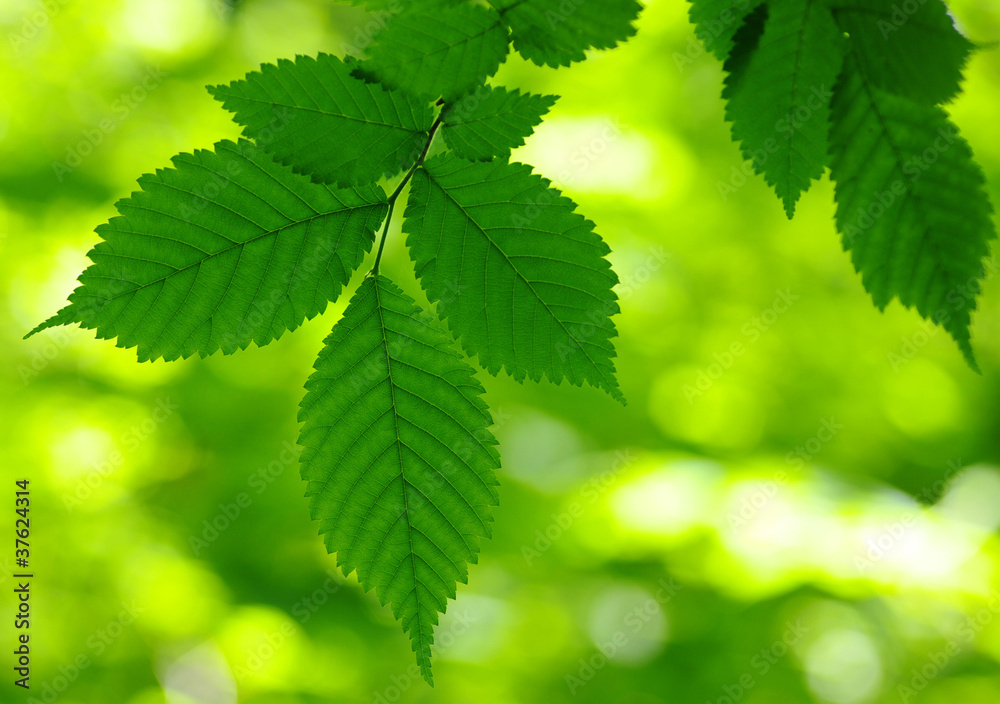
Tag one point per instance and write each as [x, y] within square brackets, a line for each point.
[744, 44]
[911, 49]
[780, 104]
[520, 277]
[717, 22]
[315, 116]
[557, 32]
[911, 202]
[491, 121]
[226, 248]
[439, 52]
[399, 458]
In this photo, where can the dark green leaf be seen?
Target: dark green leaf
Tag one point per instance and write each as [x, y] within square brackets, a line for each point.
[717, 21]
[745, 43]
[911, 202]
[908, 48]
[779, 102]
[492, 120]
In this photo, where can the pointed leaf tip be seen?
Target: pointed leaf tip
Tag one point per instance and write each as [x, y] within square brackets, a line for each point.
[225, 248]
[916, 235]
[398, 456]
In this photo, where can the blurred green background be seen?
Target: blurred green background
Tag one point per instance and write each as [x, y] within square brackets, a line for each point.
[809, 519]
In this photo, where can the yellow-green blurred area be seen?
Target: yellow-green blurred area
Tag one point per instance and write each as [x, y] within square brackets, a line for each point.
[798, 504]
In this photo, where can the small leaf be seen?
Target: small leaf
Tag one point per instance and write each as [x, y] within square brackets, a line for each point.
[910, 49]
[399, 458]
[316, 117]
[911, 202]
[779, 102]
[437, 52]
[557, 32]
[491, 121]
[520, 277]
[226, 248]
[717, 21]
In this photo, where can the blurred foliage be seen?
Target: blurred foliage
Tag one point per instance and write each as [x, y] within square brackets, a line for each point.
[799, 503]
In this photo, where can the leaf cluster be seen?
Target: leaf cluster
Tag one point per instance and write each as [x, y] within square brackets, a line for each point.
[245, 241]
[858, 86]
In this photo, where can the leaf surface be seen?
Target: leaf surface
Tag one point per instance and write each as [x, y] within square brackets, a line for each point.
[313, 115]
[558, 32]
[226, 248]
[439, 52]
[717, 21]
[744, 44]
[911, 49]
[491, 121]
[520, 277]
[911, 203]
[779, 102]
[398, 457]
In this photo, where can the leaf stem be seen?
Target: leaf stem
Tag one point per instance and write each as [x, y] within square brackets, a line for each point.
[402, 184]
